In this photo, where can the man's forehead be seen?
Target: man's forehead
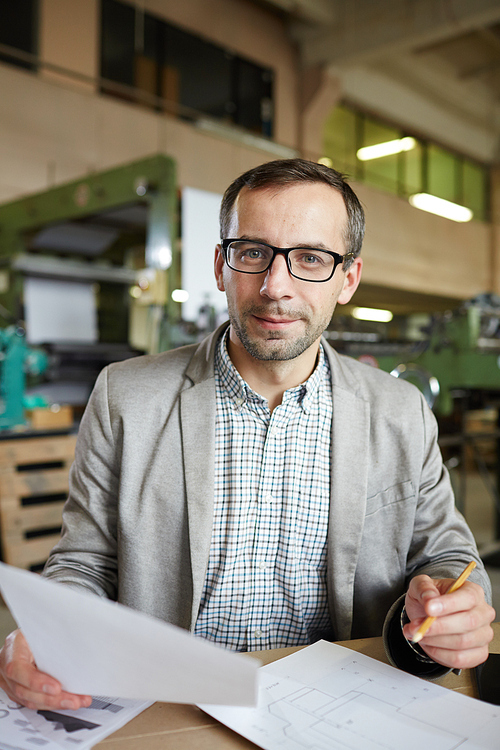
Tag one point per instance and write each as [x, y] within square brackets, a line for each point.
[308, 189]
[319, 196]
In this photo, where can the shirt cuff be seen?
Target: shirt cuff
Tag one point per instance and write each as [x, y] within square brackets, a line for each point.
[399, 652]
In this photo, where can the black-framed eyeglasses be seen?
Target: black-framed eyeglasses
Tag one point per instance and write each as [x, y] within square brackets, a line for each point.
[304, 263]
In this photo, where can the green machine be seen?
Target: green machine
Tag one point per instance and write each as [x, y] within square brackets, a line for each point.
[462, 352]
[115, 231]
[105, 228]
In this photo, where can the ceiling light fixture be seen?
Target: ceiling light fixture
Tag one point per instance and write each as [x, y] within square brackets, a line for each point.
[388, 148]
[372, 314]
[440, 207]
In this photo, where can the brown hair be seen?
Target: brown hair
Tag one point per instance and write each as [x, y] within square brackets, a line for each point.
[284, 172]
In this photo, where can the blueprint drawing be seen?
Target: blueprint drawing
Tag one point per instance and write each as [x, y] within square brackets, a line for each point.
[327, 697]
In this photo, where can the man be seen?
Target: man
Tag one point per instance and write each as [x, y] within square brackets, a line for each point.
[259, 489]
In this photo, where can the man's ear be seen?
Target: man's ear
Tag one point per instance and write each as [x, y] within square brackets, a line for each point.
[351, 281]
[218, 267]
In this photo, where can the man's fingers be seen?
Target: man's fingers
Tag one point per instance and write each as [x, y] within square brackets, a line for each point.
[27, 675]
[19, 669]
[25, 684]
[453, 635]
[65, 701]
[41, 691]
[469, 596]
[458, 659]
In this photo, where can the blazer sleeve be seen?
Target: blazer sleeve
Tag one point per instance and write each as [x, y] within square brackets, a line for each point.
[442, 546]
[86, 554]
[442, 543]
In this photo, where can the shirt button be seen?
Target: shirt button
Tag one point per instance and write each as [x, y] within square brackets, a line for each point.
[268, 498]
[262, 565]
[258, 633]
[238, 401]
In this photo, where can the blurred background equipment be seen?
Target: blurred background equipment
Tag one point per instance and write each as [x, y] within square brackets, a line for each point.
[90, 266]
[16, 361]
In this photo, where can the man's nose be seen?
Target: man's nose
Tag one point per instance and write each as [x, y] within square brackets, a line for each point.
[277, 282]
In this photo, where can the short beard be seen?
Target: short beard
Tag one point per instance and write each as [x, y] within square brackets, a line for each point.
[284, 350]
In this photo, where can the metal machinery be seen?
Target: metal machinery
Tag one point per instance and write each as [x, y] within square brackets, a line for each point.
[16, 361]
[456, 364]
[461, 353]
[115, 231]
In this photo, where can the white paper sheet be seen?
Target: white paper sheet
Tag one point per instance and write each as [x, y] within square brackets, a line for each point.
[328, 697]
[24, 729]
[97, 647]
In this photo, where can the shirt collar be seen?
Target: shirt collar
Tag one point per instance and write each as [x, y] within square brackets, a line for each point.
[240, 392]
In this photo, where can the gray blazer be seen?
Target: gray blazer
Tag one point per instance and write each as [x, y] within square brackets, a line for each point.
[138, 519]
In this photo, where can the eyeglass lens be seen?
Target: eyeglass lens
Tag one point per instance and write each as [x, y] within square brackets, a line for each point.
[305, 263]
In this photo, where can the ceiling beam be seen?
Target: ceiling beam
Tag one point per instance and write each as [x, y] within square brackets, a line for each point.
[365, 30]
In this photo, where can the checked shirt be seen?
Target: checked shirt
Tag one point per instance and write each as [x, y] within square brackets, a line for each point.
[265, 585]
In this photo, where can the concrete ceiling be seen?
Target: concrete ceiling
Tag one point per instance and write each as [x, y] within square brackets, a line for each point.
[432, 66]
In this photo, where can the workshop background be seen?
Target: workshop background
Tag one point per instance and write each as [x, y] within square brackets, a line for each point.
[121, 124]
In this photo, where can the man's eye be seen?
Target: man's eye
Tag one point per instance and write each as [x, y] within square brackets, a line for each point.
[250, 253]
[310, 259]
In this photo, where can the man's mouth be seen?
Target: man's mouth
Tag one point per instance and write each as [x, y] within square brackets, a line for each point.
[274, 322]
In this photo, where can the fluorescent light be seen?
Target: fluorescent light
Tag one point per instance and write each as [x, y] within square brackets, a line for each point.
[388, 148]
[371, 313]
[180, 295]
[440, 207]
[326, 161]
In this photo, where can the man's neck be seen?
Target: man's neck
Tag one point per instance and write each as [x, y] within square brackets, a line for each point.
[271, 378]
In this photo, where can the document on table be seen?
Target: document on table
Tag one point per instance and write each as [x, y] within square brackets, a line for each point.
[24, 729]
[328, 697]
[97, 647]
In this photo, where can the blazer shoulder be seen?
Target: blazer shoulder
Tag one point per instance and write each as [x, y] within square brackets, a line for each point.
[190, 364]
[151, 366]
[149, 378]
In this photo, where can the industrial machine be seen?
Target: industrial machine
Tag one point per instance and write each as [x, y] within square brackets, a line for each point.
[107, 246]
[104, 229]
[461, 352]
[17, 360]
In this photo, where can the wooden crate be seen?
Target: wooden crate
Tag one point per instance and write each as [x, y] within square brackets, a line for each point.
[33, 473]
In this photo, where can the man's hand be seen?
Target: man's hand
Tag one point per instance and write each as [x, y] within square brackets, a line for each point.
[459, 636]
[24, 684]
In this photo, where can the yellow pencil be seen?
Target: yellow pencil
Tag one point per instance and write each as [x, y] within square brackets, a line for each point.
[454, 586]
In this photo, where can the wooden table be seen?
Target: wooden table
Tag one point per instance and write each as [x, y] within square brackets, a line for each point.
[172, 726]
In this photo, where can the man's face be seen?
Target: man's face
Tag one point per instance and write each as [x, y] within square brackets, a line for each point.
[273, 315]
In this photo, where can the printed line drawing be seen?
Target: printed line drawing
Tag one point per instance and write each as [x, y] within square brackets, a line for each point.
[327, 697]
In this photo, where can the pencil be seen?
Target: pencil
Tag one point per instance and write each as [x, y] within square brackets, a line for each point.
[454, 586]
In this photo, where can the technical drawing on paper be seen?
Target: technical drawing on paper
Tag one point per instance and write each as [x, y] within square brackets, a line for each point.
[327, 697]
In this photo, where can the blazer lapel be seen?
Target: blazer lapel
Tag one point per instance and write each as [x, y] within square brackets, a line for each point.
[198, 445]
[350, 435]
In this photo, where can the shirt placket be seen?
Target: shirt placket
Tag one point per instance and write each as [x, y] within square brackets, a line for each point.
[267, 535]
